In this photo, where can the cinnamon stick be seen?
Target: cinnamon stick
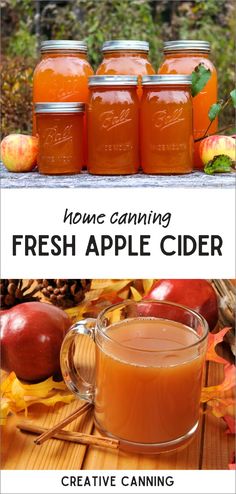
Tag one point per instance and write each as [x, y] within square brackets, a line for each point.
[75, 437]
[50, 432]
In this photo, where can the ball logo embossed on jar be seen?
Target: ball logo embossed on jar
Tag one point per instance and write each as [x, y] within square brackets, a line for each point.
[67, 91]
[54, 136]
[109, 120]
[162, 120]
[61, 145]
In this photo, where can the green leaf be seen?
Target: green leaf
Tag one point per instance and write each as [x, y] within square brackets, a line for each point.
[233, 97]
[214, 111]
[219, 164]
[200, 76]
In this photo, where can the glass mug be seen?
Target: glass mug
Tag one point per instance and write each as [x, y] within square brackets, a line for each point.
[148, 372]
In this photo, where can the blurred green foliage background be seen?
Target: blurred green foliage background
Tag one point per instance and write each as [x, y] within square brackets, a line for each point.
[25, 23]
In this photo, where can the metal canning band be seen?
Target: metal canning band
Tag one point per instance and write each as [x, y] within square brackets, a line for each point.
[125, 44]
[63, 45]
[167, 80]
[113, 80]
[59, 107]
[187, 45]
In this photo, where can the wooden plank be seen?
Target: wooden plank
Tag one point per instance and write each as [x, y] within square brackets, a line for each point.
[218, 446]
[34, 179]
[19, 451]
[186, 458]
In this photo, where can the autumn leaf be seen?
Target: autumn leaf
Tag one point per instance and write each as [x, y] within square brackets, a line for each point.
[213, 392]
[222, 407]
[147, 285]
[213, 340]
[230, 421]
[17, 396]
[136, 295]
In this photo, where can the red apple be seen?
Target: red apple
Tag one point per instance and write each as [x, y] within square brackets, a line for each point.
[19, 152]
[31, 338]
[215, 146]
[194, 294]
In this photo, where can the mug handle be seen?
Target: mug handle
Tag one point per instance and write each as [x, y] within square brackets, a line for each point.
[70, 374]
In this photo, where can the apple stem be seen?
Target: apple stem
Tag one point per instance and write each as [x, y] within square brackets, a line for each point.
[214, 133]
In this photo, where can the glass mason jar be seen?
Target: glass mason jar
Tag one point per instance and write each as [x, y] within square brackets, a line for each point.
[62, 75]
[142, 371]
[60, 130]
[127, 57]
[182, 57]
[166, 125]
[113, 125]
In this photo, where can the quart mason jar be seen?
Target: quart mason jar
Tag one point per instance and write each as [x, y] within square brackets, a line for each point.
[166, 124]
[182, 57]
[113, 125]
[127, 57]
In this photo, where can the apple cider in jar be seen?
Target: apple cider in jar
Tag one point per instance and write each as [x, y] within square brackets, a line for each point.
[113, 125]
[62, 73]
[127, 57]
[60, 130]
[182, 57]
[166, 125]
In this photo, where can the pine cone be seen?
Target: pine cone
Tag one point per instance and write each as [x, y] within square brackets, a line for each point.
[13, 292]
[64, 293]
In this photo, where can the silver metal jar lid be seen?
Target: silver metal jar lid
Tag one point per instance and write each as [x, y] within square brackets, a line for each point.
[63, 44]
[166, 80]
[187, 45]
[59, 107]
[113, 80]
[125, 44]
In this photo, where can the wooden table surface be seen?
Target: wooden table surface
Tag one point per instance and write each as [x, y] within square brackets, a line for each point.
[195, 179]
[211, 448]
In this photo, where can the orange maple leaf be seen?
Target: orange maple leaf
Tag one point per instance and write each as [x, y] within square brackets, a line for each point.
[213, 392]
[213, 340]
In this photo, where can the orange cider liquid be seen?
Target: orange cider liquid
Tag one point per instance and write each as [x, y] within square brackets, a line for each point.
[61, 148]
[166, 130]
[148, 383]
[126, 63]
[113, 131]
[62, 77]
[185, 63]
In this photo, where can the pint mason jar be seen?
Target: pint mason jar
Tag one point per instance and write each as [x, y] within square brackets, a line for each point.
[145, 374]
[60, 130]
[166, 125]
[113, 125]
[182, 57]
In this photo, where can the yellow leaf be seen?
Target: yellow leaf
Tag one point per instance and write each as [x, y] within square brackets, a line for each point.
[221, 407]
[18, 396]
[214, 392]
[136, 295]
[147, 285]
[5, 410]
[52, 400]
